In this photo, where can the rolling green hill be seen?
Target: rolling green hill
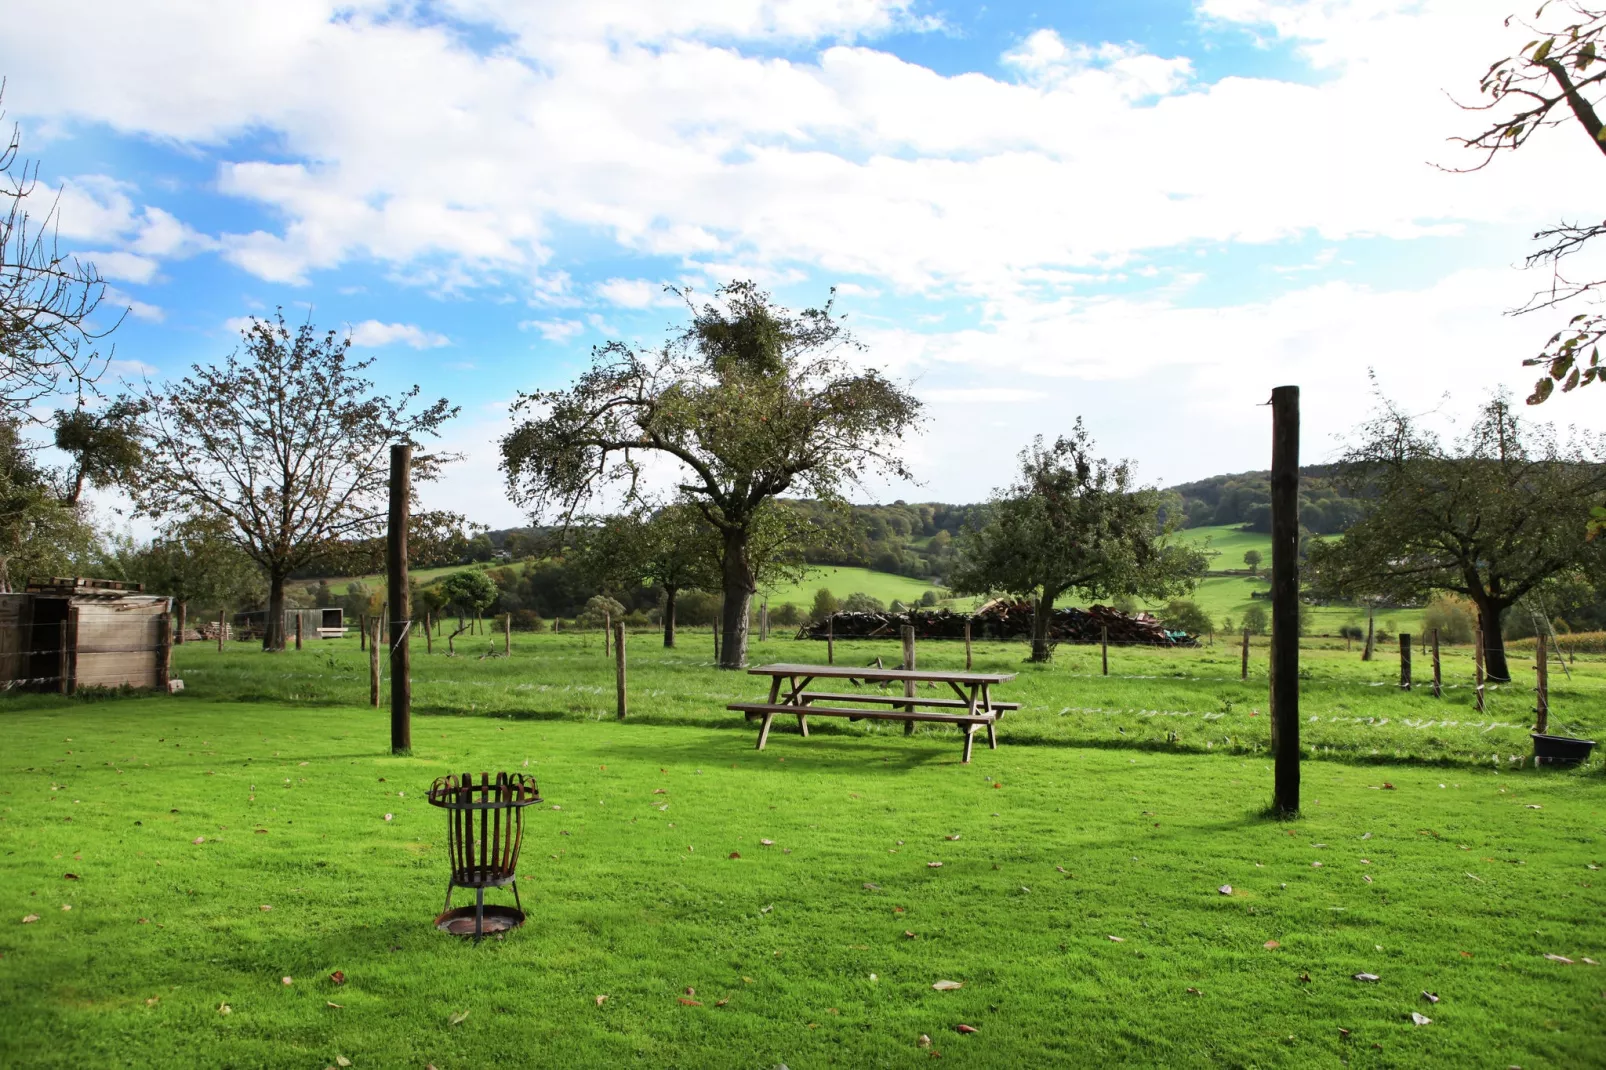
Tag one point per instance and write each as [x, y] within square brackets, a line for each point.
[844, 580]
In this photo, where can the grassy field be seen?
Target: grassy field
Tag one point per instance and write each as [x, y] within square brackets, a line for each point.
[1114, 807]
[843, 581]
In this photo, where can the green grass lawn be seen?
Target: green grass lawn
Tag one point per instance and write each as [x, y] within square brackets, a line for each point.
[1087, 823]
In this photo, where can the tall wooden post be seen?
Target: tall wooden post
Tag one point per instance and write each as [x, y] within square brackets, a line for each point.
[373, 662]
[298, 629]
[830, 639]
[967, 646]
[1366, 655]
[1477, 666]
[429, 634]
[1244, 671]
[222, 629]
[164, 648]
[384, 621]
[507, 635]
[400, 600]
[1104, 647]
[1405, 661]
[908, 663]
[1438, 687]
[183, 618]
[1285, 596]
[764, 621]
[1542, 688]
[619, 662]
[716, 640]
[64, 677]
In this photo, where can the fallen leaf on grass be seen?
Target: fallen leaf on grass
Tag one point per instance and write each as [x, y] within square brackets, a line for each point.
[1315, 865]
[389, 817]
[1367, 877]
[66, 906]
[766, 843]
[909, 934]
[1431, 997]
[766, 910]
[265, 908]
[1421, 1019]
[338, 977]
[341, 1060]
[1563, 959]
[962, 1028]
[923, 1041]
[1225, 889]
[152, 1001]
[199, 839]
[1535, 806]
[1589, 962]
[871, 887]
[747, 980]
[459, 1018]
[286, 981]
[1367, 977]
[722, 1002]
[736, 854]
[1194, 992]
[601, 1000]
[1387, 786]
[1116, 939]
[689, 1002]
[948, 986]
[69, 876]
[955, 836]
[998, 783]
[336, 1006]
[933, 865]
[1271, 945]
[224, 1008]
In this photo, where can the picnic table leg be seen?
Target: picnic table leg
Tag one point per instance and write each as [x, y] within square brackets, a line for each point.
[992, 735]
[908, 728]
[764, 730]
[775, 689]
[803, 725]
[970, 740]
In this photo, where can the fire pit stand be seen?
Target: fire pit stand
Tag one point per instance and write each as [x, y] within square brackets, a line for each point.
[484, 829]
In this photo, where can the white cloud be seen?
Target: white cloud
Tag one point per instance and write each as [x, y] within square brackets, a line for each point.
[126, 267]
[94, 208]
[634, 293]
[375, 333]
[554, 330]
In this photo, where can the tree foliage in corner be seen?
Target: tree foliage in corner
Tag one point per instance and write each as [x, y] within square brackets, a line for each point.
[1491, 516]
[673, 548]
[749, 402]
[287, 447]
[1557, 79]
[1073, 522]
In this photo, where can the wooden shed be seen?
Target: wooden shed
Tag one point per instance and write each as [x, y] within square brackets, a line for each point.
[327, 623]
[67, 633]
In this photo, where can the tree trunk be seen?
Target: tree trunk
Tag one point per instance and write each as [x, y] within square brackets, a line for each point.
[273, 627]
[1041, 614]
[669, 615]
[1494, 644]
[739, 589]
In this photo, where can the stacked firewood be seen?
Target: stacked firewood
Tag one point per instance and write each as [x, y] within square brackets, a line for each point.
[1001, 619]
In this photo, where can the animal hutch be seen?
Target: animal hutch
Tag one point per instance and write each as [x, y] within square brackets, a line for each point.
[67, 633]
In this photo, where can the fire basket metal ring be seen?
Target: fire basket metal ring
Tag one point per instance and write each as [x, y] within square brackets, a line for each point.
[484, 830]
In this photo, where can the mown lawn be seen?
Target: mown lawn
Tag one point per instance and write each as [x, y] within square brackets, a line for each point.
[1069, 834]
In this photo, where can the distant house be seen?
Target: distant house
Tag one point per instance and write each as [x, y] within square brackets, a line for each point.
[64, 634]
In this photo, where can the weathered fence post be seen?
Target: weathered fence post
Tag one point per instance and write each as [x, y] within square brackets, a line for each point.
[967, 646]
[1405, 661]
[1284, 671]
[64, 681]
[908, 633]
[507, 635]
[716, 639]
[1244, 674]
[183, 617]
[1104, 647]
[1438, 687]
[1542, 688]
[222, 629]
[298, 629]
[373, 663]
[429, 634]
[1366, 654]
[401, 597]
[764, 621]
[619, 661]
[830, 639]
[1477, 666]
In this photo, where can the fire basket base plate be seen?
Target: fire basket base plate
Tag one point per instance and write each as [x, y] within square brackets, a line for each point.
[460, 921]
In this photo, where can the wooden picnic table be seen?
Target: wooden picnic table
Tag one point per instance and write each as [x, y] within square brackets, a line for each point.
[973, 707]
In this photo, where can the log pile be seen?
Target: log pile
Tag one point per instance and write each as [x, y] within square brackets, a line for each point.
[1001, 619]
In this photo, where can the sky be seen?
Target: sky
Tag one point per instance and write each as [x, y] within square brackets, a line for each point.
[1143, 212]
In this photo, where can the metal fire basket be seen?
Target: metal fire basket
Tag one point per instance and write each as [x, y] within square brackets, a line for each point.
[484, 829]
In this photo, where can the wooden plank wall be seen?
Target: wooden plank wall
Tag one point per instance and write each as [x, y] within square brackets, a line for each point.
[15, 632]
[120, 642]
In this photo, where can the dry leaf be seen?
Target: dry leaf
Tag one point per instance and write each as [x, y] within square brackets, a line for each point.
[923, 1041]
[336, 1006]
[689, 1002]
[1589, 962]
[832, 1010]
[1387, 786]
[69, 876]
[66, 906]
[948, 986]
[1225, 889]
[1194, 992]
[747, 980]
[1271, 945]
[1116, 939]
[224, 1008]
[933, 865]
[265, 908]
[152, 1001]
[955, 836]
[1431, 997]
[1535, 806]
[459, 1018]
[286, 981]
[601, 1000]
[341, 1060]
[690, 991]
[1367, 977]
[909, 934]
[870, 887]
[338, 977]
[767, 843]
[1563, 959]
[1316, 865]
[962, 1028]
[389, 816]
[1366, 836]
[1304, 977]
[766, 910]
[1421, 1019]
[736, 854]
[722, 1002]
[1367, 877]
[998, 783]
[199, 839]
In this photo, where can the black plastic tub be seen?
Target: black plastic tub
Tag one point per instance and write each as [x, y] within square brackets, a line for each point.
[1561, 749]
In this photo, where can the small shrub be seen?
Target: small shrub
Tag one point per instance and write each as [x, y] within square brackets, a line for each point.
[859, 602]
[1255, 620]
[1455, 617]
[929, 599]
[1181, 614]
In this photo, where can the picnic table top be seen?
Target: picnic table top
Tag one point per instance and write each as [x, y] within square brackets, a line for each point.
[870, 672]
